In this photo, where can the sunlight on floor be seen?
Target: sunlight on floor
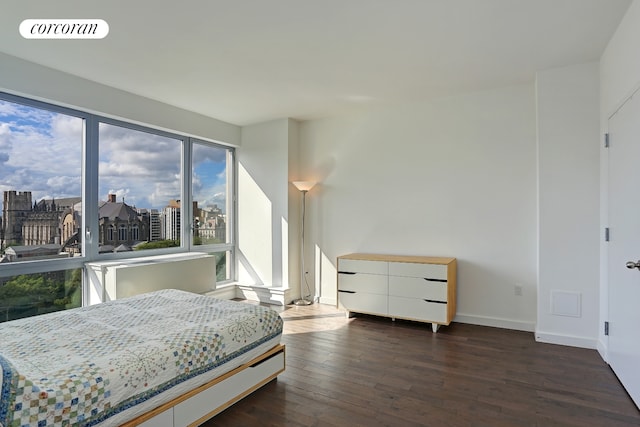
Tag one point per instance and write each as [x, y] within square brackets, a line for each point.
[312, 318]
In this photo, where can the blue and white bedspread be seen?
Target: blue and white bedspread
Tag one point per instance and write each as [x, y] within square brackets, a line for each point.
[83, 366]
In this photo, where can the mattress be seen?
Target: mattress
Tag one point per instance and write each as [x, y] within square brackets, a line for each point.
[108, 363]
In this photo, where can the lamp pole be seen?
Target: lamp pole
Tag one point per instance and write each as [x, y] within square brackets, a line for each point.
[304, 187]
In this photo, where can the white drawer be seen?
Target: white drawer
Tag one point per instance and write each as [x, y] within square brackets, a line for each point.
[363, 302]
[415, 287]
[410, 269]
[363, 282]
[227, 391]
[163, 419]
[417, 309]
[361, 266]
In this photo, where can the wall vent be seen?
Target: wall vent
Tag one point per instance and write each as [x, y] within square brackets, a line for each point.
[566, 303]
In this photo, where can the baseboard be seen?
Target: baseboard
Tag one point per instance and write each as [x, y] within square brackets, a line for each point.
[267, 295]
[273, 296]
[568, 340]
[224, 292]
[328, 301]
[495, 322]
[602, 349]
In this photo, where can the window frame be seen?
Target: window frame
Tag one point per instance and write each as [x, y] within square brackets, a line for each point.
[89, 176]
[231, 226]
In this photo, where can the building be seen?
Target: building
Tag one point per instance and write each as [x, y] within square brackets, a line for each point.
[171, 221]
[49, 222]
[212, 224]
[121, 226]
[35, 224]
[70, 229]
[41, 228]
[15, 209]
[155, 226]
[34, 252]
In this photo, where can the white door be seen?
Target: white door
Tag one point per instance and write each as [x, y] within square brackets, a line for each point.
[624, 246]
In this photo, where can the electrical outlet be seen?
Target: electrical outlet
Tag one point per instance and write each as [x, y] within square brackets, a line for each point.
[517, 290]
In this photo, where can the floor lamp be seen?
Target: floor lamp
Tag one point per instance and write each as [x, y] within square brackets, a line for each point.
[304, 187]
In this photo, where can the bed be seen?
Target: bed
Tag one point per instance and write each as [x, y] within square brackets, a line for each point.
[165, 358]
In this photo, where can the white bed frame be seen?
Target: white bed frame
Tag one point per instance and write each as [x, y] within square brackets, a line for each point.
[200, 404]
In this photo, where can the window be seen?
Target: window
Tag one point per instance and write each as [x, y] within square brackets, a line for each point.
[26, 295]
[77, 187]
[223, 268]
[139, 172]
[210, 194]
[212, 178]
[41, 181]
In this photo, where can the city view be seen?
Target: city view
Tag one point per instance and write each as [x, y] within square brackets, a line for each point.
[52, 228]
[140, 201]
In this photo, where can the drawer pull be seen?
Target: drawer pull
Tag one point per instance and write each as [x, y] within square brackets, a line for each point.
[435, 280]
[347, 292]
[437, 302]
[346, 272]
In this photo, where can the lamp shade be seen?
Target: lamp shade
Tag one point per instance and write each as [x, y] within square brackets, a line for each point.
[304, 185]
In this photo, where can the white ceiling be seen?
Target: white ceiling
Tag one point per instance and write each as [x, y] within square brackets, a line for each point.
[246, 61]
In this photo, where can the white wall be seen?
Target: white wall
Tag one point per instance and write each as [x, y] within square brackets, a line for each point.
[265, 233]
[448, 177]
[20, 77]
[262, 201]
[620, 63]
[619, 78]
[568, 205]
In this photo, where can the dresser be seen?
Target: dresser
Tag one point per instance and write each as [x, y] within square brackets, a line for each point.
[404, 287]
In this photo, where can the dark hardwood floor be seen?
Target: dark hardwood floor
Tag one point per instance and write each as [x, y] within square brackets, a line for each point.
[370, 371]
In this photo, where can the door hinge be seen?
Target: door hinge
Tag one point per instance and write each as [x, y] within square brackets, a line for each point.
[606, 234]
[606, 140]
[606, 328]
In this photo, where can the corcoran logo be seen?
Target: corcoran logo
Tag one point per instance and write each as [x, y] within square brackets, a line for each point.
[64, 29]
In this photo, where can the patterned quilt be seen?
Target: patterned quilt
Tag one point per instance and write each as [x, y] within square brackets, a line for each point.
[81, 366]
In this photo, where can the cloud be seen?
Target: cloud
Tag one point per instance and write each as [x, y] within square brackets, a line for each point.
[35, 139]
[64, 186]
[207, 153]
[41, 151]
[5, 136]
[5, 143]
[66, 128]
[22, 115]
[148, 165]
[209, 175]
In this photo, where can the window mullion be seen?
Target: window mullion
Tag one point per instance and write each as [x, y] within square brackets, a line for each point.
[90, 226]
[186, 209]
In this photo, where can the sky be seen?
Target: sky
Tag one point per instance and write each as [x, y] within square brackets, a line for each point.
[41, 152]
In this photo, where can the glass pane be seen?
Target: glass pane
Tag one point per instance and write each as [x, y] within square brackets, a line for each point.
[139, 188]
[223, 268]
[210, 187]
[31, 294]
[41, 182]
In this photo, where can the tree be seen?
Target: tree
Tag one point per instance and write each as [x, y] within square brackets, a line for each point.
[158, 244]
[30, 294]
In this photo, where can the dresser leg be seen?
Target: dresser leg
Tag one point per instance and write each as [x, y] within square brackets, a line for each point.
[434, 327]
